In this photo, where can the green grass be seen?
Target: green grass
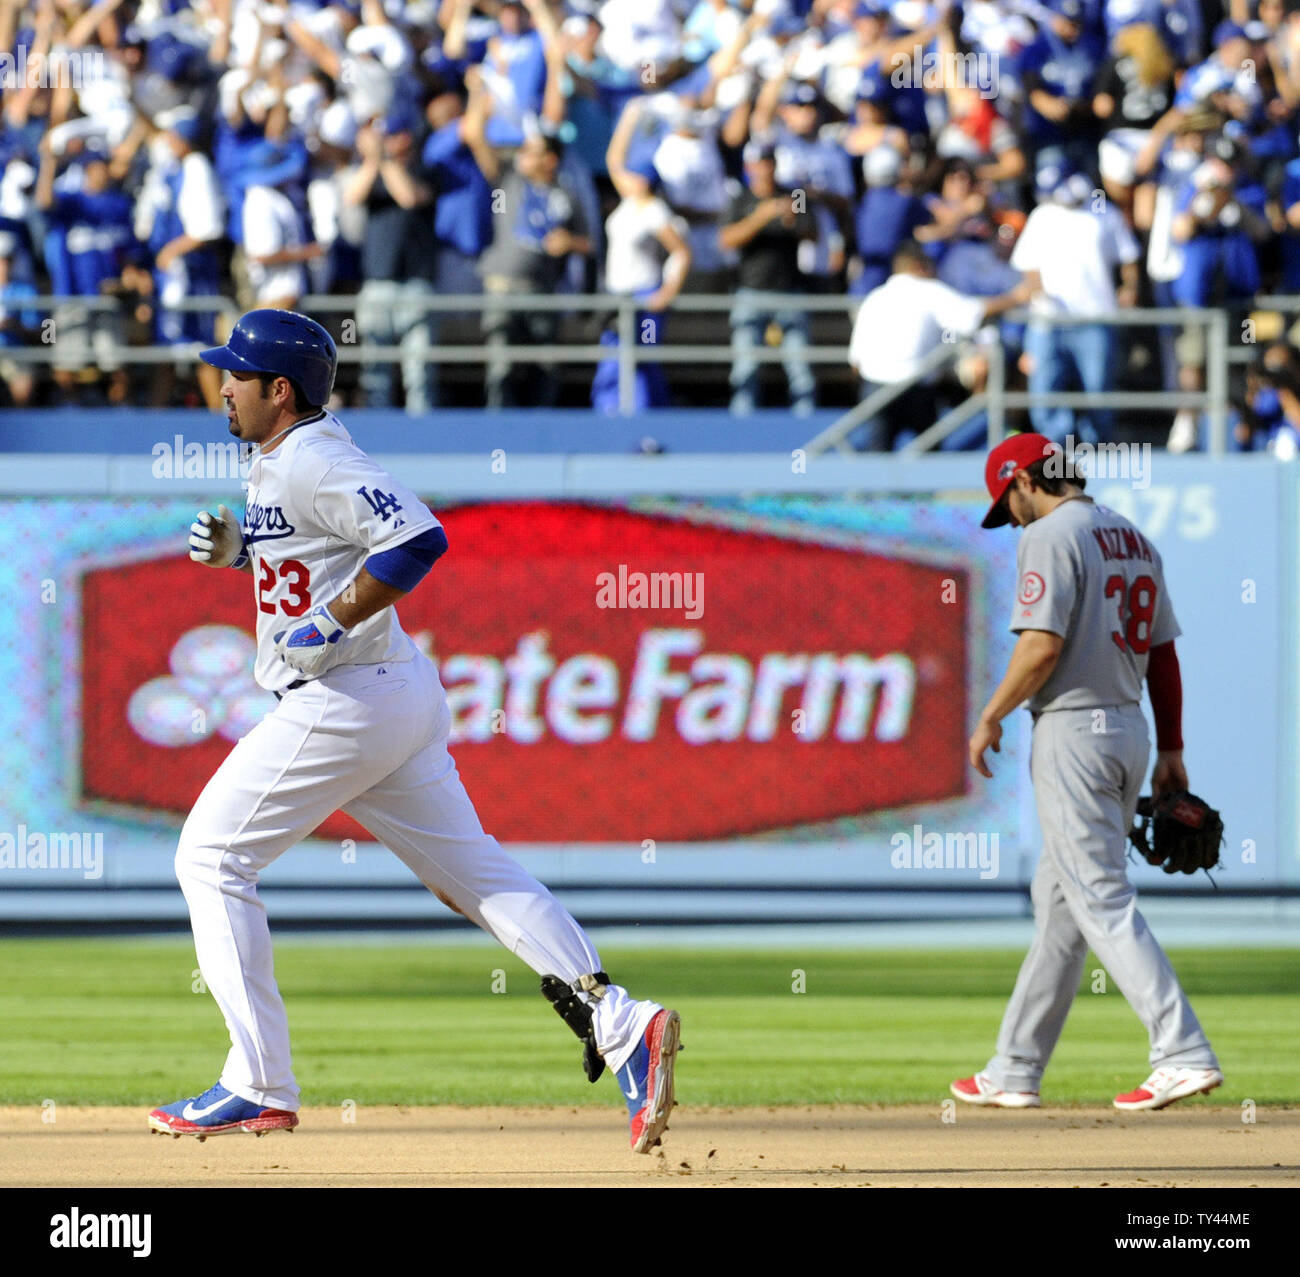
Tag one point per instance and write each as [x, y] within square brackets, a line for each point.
[116, 1022]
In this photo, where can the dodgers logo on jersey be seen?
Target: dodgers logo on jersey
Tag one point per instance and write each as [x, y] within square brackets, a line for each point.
[265, 523]
[383, 504]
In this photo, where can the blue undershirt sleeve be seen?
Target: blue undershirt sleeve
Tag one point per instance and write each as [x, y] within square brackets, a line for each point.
[406, 565]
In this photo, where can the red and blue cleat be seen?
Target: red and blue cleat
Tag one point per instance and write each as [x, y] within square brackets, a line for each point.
[646, 1080]
[218, 1112]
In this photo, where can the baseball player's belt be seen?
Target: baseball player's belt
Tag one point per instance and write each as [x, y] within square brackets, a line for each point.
[297, 682]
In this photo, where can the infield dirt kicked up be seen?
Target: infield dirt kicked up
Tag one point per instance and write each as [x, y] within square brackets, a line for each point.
[1190, 1145]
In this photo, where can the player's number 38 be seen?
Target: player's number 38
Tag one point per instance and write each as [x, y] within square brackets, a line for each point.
[1137, 607]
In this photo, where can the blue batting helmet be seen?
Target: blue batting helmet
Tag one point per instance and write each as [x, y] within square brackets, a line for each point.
[284, 343]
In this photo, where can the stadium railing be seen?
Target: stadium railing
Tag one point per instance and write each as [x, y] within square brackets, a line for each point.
[629, 351]
[996, 399]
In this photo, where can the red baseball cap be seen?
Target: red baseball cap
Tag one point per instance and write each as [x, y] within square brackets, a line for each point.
[1012, 454]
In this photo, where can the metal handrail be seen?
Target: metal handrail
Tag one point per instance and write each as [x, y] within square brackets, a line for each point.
[836, 435]
[628, 352]
[996, 399]
[638, 352]
[1288, 303]
[343, 302]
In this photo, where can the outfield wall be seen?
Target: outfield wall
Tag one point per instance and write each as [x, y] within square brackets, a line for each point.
[785, 745]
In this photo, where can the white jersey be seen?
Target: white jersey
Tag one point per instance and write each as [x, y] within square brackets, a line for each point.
[317, 509]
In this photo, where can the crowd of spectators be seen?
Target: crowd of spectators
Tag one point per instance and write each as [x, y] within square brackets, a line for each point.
[949, 161]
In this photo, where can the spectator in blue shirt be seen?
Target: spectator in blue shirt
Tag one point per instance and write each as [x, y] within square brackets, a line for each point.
[1057, 73]
[886, 217]
[462, 219]
[1224, 79]
[595, 90]
[1179, 21]
[94, 218]
[872, 124]
[517, 53]
[1218, 219]
[1269, 419]
[957, 211]
[1289, 198]
[19, 325]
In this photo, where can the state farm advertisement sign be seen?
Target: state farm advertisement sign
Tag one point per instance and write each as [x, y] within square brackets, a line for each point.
[613, 675]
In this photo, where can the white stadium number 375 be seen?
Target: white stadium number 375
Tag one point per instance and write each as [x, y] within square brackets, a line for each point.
[1188, 510]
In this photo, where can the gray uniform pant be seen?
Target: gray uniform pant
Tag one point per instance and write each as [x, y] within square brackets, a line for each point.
[1088, 768]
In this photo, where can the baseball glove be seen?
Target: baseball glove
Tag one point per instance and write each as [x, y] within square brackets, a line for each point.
[1178, 832]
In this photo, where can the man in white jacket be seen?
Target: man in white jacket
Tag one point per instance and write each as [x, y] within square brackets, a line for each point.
[898, 325]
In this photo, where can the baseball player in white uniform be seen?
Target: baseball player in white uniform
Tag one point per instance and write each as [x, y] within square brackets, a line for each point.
[332, 542]
[1094, 618]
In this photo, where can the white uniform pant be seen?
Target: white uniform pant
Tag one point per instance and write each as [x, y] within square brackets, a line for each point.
[371, 740]
[1086, 783]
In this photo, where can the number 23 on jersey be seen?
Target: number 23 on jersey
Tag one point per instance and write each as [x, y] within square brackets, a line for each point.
[293, 582]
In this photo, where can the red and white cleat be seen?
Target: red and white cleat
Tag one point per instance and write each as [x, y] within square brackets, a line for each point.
[979, 1090]
[1166, 1085]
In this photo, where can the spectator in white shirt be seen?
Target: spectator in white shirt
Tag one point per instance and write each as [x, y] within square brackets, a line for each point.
[1071, 253]
[180, 215]
[641, 34]
[694, 184]
[712, 25]
[897, 326]
[648, 259]
[274, 244]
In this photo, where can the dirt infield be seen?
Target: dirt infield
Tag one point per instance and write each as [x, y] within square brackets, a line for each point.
[810, 1147]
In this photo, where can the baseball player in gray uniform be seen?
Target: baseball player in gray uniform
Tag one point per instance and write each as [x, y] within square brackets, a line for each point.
[332, 542]
[1094, 619]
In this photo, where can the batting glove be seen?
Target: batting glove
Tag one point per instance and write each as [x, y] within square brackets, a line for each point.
[217, 540]
[308, 647]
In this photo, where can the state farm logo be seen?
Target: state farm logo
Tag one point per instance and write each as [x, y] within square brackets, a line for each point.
[210, 689]
[828, 682]
[674, 685]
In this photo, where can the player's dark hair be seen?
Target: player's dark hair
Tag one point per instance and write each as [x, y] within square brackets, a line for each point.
[300, 403]
[1056, 483]
[910, 254]
[325, 80]
[956, 164]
